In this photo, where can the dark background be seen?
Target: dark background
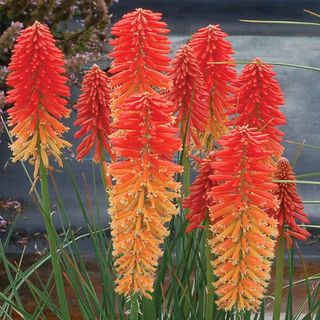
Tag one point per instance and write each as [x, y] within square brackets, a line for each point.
[296, 44]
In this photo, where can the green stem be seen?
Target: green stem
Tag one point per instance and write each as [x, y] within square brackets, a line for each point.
[102, 168]
[279, 278]
[104, 173]
[52, 239]
[134, 312]
[104, 183]
[210, 277]
[103, 178]
[186, 175]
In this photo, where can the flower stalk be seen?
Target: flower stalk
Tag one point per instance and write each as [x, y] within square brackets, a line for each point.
[134, 310]
[52, 241]
[38, 94]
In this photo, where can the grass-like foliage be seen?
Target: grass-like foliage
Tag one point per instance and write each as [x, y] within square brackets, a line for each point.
[174, 248]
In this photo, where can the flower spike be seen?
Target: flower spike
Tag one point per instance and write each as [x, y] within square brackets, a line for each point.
[199, 201]
[243, 234]
[94, 115]
[291, 208]
[257, 100]
[189, 94]
[38, 95]
[210, 45]
[140, 54]
[141, 198]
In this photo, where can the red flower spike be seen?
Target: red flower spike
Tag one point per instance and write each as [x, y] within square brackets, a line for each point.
[141, 199]
[257, 100]
[291, 208]
[189, 94]
[209, 45]
[243, 235]
[140, 54]
[94, 115]
[38, 96]
[198, 201]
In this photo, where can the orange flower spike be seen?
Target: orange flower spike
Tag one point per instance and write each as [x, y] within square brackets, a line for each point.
[141, 199]
[189, 94]
[291, 207]
[38, 96]
[198, 201]
[140, 53]
[257, 100]
[94, 115]
[243, 234]
[209, 45]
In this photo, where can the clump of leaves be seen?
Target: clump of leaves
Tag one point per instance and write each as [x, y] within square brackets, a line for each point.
[80, 27]
[90, 21]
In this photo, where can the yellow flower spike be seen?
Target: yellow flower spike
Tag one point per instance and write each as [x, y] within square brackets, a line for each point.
[243, 235]
[141, 199]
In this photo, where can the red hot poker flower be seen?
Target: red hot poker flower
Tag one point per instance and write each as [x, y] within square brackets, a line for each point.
[257, 100]
[210, 45]
[38, 91]
[189, 94]
[94, 115]
[140, 54]
[243, 234]
[141, 198]
[291, 207]
[198, 201]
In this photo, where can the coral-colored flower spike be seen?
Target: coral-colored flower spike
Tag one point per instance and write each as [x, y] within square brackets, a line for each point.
[140, 54]
[209, 45]
[257, 100]
[94, 115]
[189, 94]
[243, 234]
[198, 201]
[38, 91]
[141, 198]
[291, 208]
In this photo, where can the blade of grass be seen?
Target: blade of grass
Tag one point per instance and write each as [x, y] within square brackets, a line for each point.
[34, 290]
[9, 275]
[300, 23]
[279, 278]
[303, 144]
[30, 270]
[52, 238]
[209, 272]
[289, 310]
[281, 64]
[16, 308]
[297, 181]
[306, 277]
[104, 275]
[262, 310]
[312, 13]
